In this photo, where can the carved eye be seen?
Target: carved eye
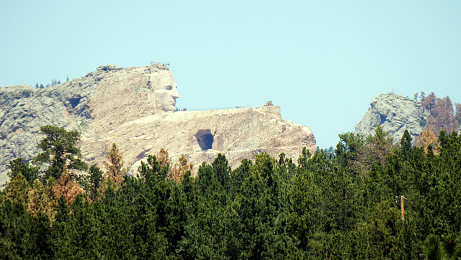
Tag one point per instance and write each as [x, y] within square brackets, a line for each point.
[169, 87]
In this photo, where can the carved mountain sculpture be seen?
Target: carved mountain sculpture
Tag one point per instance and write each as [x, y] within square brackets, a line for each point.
[136, 109]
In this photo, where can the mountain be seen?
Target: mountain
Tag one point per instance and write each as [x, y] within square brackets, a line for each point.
[135, 108]
[398, 113]
[395, 114]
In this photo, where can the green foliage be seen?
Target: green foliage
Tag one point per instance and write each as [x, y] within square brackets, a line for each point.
[23, 236]
[406, 144]
[17, 190]
[432, 247]
[347, 150]
[221, 170]
[59, 150]
[19, 166]
[324, 207]
[95, 179]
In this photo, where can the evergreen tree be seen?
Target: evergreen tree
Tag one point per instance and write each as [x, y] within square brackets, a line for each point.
[59, 150]
[19, 166]
[348, 149]
[320, 208]
[95, 180]
[221, 170]
[428, 141]
[179, 169]
[115, 172]
[17, 190]
[405, 144]
[41, 199]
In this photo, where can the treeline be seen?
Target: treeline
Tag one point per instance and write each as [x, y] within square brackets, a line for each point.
[341, 205]
[441, 113]
[53, 82]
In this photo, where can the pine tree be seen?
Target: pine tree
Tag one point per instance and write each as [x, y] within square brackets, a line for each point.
[221, 170]
[62, 210]
[428, 140]
[441, 115]
[115, 172]
[19, 166]
[379, 146]
[41, 199]
[432, 247]
[348, 149]
[405, 144]
[17, 190]
[163, 157]
[179, 169]
[67, 188]
[59, 151]
[429, 101]
[95, 181]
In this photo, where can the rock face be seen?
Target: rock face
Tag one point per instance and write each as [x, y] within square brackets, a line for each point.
[201, 135]
[395, 114]
[136, 109]
[23, 110]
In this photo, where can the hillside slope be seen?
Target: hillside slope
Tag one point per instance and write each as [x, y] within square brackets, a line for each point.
[135, 108]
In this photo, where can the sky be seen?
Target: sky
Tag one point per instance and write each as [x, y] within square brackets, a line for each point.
[322, 62]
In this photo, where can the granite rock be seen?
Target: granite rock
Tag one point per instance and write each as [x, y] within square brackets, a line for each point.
[136, 109]
[395, 114]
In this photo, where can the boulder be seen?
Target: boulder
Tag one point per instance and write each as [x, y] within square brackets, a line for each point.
[395, 114]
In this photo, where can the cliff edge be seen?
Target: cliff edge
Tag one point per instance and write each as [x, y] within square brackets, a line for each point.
[135, 108]
[395, 114]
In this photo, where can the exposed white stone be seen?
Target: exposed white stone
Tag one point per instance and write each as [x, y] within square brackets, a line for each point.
[395, 114]
[135, 108]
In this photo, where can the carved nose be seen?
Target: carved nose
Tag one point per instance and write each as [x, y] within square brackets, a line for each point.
[175, 94]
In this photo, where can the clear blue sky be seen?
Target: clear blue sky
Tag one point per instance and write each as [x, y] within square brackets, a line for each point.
[321, 61]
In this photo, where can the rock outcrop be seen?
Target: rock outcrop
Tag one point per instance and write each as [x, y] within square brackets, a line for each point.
[201, 135]
[395, 114]
[135, 108]
[23, 111]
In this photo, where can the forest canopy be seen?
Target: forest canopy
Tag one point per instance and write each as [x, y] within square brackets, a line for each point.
[345, 204]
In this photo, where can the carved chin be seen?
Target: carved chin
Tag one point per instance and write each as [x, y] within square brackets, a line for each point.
[171, 108]
[166, 107]
[166, 104]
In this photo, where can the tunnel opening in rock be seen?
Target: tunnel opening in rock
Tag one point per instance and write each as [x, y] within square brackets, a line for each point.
[204, 139]
[74, 101]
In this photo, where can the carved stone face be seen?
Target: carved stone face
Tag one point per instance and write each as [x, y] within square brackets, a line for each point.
[165, 91]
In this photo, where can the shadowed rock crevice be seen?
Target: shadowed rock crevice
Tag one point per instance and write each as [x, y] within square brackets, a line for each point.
[74, 101]
[382, 119]
[204, 139]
